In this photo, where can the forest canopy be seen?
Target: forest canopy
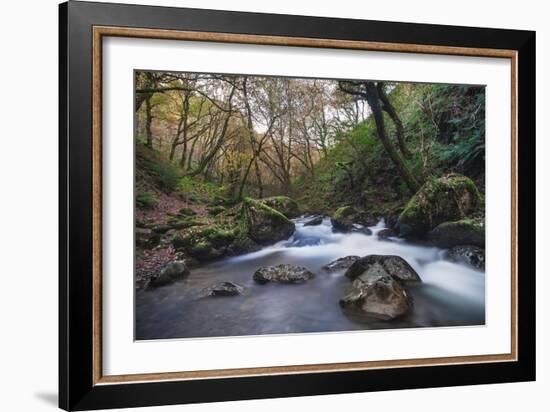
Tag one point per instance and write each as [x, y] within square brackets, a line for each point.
[323, 142]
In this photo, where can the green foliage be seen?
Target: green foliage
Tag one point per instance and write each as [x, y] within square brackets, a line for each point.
[200, 190]
[344, 211]
[165, 176]
[444, 129]
[153, 169]
[146, 200]
[454, 118]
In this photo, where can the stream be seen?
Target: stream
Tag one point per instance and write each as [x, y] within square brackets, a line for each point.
[451, 294]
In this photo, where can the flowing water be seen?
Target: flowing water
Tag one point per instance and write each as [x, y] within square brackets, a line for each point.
[450, 294]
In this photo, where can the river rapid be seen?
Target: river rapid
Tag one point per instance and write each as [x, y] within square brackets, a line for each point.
[451, 294]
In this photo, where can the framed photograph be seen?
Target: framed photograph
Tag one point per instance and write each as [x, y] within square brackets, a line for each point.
[257, 205]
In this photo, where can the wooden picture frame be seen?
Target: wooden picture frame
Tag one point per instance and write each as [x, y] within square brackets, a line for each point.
[82, 385]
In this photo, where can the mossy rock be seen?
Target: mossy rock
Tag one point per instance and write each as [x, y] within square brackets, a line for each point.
[205, 242]
[177, 222]
[449, 198]
[460, 232]
[170, 273]
[284, 204]
[264, 224]
[344, 211]
[344, 219]
[214, 240]
[146, 237]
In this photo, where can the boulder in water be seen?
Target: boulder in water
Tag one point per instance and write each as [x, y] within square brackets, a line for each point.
[449, 198]
[472, 255]
[170, 273]
[460, 232]
[341, 263]
[342, 220]
[348, 219]
[223, 289]
[387, 265]
[315, 221]
[283, 273]
[385, 233]
[377, 295]
[265, 224]
[361, 229]
[283, 204]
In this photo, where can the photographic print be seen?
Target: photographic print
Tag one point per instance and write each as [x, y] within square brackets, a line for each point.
[320, 184]
[275, 205]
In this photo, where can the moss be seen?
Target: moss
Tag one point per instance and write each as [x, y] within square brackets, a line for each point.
[264, 208]
[265, 224]
[215, 210]
[146, 200]
[344, 211]
[284, 204]
[155, 170]
[449, 198]
[200, 247]
[461, 232]
[475, 225]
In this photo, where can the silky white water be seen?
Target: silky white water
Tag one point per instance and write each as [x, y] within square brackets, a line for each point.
[450, 294]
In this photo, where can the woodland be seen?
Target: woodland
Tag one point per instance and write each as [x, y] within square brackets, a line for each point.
[230, 165]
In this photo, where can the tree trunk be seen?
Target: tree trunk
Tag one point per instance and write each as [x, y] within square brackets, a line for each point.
[148, 122]
[373, 100]
[388, 108]
[259, 179]
[173, 149]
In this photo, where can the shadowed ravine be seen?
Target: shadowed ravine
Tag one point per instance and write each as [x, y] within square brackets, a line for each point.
[450, 295]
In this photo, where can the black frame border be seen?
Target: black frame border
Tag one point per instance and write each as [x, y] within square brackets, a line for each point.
[76, 388]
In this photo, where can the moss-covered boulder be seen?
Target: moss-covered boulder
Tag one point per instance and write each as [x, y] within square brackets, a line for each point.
[348, 219]
[284, 204]
[343, 219]
[170, 273]
[460, 232]
[263, 223]
[180, 222]
[449, 198]
[206, 239]
[146, 237]
[205, 242]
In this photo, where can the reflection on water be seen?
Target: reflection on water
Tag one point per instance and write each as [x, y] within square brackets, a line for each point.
[451, 294]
